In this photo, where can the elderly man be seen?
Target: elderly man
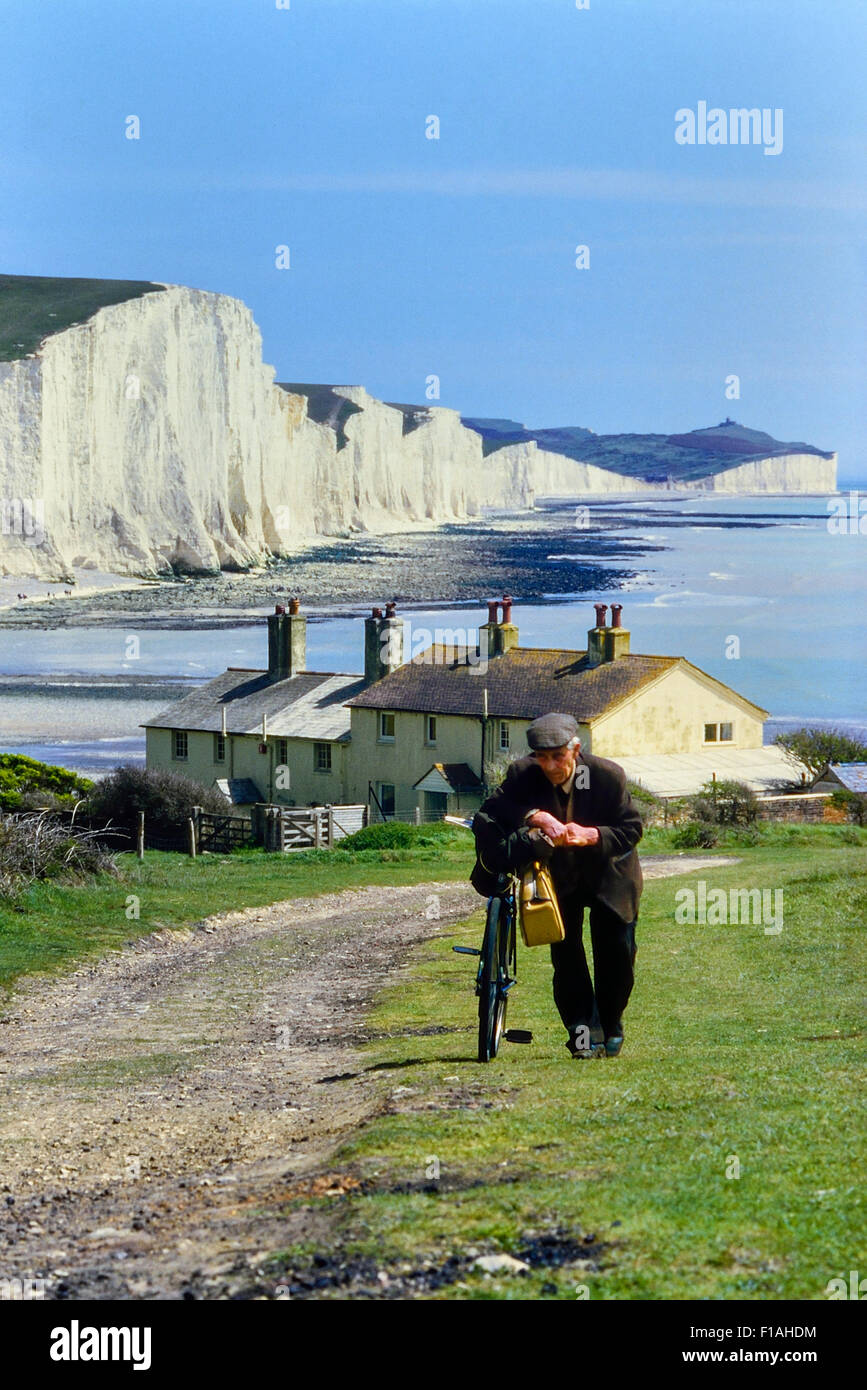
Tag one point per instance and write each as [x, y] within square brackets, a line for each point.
[573, 812]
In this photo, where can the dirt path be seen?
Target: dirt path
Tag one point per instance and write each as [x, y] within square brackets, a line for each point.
[160, 1105]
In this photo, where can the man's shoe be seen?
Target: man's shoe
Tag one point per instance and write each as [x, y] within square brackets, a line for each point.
[587, 1049]
[613, 1046]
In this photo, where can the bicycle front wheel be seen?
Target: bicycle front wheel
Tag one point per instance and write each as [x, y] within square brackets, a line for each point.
[492, 980]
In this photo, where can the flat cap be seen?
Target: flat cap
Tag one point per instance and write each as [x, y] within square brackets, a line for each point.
[552, 731]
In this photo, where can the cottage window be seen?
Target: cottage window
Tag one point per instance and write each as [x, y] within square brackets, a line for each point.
[386, 727]
[219, 748]
[282, 752]
[504, 735]
[430, 728]
[710, 733]
[726, 733]
[322, 757]
[179, 744]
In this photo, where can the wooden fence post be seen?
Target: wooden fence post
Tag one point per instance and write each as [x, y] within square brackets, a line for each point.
[418, 815]
[191, 830]
[329, 827]
[139, 848]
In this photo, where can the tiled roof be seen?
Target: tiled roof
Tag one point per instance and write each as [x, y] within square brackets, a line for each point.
[522, 684]
[309, 705]
[852, 775]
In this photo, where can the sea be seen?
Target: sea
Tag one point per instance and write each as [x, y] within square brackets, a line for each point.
[767, 594]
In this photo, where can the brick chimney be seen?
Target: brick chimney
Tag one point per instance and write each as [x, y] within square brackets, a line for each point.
[607, 643]
[383, 644]
[498, 636]
[287, 641]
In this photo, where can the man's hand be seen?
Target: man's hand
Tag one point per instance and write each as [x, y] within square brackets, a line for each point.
[578, 836]
[549, 825]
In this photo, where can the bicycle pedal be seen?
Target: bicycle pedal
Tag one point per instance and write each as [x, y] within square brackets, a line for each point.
[466, 950]
[518, 1035]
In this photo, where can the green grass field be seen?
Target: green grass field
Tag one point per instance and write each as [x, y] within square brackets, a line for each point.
[32, 306]
[721, 1156]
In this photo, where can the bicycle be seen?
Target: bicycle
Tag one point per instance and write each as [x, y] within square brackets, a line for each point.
[498, 965]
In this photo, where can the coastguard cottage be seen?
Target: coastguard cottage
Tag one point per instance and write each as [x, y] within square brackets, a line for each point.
[429, 735]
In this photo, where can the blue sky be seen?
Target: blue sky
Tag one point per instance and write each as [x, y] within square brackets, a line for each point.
[305, 127]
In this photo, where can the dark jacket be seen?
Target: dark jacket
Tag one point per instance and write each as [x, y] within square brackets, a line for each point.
[608, 872]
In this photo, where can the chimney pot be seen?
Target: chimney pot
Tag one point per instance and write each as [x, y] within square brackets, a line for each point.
[507, 608]
[616, 610]
[294, 606]
[390, 609]
[377, 613]
[278, 608]
[493, 605]
[601, 610]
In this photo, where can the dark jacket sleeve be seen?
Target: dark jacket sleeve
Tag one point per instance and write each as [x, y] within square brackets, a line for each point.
[504, 844]
[619, 824]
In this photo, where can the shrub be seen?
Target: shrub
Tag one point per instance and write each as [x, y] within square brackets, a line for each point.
[392, 834]
[26, 783]
[725, 803]
[650, 808]
[167, 799]
[695, 834]
[39, 846]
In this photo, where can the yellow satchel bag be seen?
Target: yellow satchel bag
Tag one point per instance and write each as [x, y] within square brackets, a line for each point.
[538, 909]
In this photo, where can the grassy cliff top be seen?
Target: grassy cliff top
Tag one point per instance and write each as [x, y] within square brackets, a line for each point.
[34, 306]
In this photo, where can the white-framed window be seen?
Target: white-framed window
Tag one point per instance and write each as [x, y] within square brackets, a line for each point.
[386, 727]
[430, 728]
[504, 735]
[719, 733]
[322, 757]
[219, 748]
[282, 752]
[180, 749]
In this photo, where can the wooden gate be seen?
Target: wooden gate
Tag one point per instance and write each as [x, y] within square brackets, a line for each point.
[310, 827]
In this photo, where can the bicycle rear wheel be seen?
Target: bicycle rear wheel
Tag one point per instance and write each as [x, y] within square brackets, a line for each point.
[492, 979]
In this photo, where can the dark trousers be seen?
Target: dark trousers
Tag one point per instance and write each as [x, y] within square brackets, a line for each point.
[614, 952]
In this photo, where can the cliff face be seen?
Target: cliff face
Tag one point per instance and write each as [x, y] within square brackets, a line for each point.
[784, 473]
[152, 436]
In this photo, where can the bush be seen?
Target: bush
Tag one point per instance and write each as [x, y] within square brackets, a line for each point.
[695, 834]
[27, 784]
[650, 808]
[392, 834]
[725, 803]
[39, 846]
[167, 799]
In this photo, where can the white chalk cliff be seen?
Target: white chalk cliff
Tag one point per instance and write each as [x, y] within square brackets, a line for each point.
[152, 436]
